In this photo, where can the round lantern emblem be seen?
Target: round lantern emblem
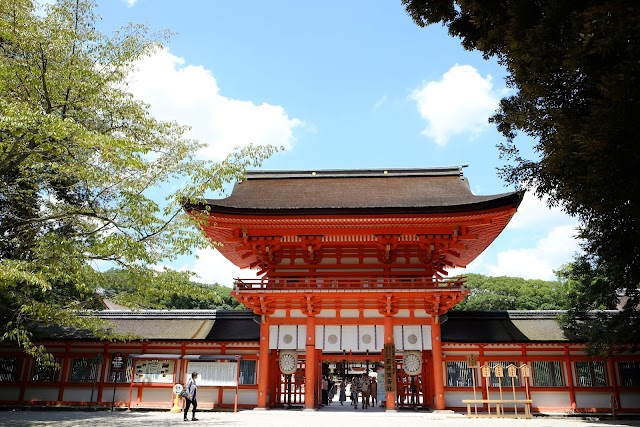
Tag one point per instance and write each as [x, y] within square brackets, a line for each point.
[412, 362]
[288, 362]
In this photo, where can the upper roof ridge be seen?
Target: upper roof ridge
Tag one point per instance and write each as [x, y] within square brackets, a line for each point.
[356, 173]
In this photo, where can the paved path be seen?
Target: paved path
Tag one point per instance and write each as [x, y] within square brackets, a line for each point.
[327, 417]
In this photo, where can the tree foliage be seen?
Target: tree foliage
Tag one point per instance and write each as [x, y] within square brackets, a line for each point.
[512, 293]
[575, 70]
[594, 300]
[84, 167]
[166, 290]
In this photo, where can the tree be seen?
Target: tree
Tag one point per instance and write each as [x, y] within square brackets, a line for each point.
[593, 313]
[165, 290]
[574, 66]
[81, 166]
[512, 293]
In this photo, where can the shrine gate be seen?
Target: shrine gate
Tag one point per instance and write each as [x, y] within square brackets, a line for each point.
[352, 268]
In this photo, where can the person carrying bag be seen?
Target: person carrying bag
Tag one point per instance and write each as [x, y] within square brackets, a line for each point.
[190, 391]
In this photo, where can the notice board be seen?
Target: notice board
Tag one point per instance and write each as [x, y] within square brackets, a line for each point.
[215, 373]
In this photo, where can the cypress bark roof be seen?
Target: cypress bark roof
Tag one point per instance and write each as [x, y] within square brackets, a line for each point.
[505, 327]
[440, 190]
[233, 325]
[169, 325]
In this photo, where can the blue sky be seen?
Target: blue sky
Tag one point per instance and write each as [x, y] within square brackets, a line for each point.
[341, 84]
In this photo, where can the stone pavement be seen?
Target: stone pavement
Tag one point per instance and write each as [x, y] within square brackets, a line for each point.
[333, 416]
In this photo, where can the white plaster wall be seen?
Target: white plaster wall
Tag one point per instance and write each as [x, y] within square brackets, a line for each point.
[630, 400]
[278, 333]
[372, 314]
[403, 313]
[421, 312]
[551, 399]
[402, 333]
[545, 353]
[516, 354]
[41, 393]
[79, 394]
[350, 338]
[9, 392]
[349, 313]
[327, 313]
[245, 397]
[207, 396]
[455, 398]
[296, 313]
[157, 395]
[281, 312]
[592, 400]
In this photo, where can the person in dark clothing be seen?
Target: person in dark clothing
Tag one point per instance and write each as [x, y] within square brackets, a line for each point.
[191, 399]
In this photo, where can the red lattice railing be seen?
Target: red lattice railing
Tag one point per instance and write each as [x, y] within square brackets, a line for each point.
[315, 283]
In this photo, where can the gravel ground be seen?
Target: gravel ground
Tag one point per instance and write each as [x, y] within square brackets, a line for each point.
[334, 416]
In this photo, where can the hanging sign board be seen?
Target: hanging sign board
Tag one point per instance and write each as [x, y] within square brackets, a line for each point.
[472, 360]
[486, 371]
[390, 367]
[154, 371]
[117, 362]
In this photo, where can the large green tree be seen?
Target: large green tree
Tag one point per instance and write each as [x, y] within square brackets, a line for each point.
[512, 293]
[574, 67]
[82, 164]
[168, 289]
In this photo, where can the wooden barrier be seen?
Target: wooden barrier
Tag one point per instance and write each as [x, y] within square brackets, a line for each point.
[499, 406]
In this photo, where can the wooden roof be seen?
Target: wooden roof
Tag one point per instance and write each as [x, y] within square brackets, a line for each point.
[434, 190]
[505, 327]
[239, 326]
[406, 202]
[191, 325]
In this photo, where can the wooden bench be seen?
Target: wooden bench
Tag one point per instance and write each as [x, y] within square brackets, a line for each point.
[499, 406]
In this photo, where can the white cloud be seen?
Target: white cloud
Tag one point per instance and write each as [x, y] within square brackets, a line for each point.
[131, 3]
[540, 240]
[534, 213]
[189, 94]
[212, 267]
[380, 102]
[538, 262]
[460, 103]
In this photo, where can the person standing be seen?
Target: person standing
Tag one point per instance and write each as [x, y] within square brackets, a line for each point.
[354, 392]
[325, 391]
[343, 392]
[366, 388]
[332, 389]
[191, 399]
[374, 391]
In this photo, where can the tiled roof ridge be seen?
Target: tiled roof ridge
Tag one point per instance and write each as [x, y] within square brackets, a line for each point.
[174, 314]
[359, 173]
[515, 314]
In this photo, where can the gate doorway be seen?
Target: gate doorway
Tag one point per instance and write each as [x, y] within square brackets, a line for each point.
[290, 388]
[412, 391]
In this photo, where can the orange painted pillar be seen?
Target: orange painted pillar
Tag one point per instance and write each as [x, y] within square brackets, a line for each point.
[263, 378]
[572, 391]
[436, 346]
[310, 365]
[388, 339]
